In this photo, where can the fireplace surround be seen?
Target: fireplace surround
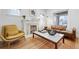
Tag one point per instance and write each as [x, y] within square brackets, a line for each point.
[33, 28]
[30, 26]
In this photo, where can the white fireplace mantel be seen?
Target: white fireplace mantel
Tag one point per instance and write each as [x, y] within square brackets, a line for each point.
[27, 24]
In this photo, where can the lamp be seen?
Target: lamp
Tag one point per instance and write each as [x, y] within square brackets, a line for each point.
[23, 22]
[24, 16]
[32, 12]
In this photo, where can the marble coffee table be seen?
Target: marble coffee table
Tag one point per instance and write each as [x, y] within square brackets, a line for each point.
[52, 38]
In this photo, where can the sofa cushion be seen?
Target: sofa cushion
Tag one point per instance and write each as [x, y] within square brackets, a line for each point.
[58, 27]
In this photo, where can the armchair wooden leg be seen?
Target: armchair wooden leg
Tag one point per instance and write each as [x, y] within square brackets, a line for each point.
[8, 44]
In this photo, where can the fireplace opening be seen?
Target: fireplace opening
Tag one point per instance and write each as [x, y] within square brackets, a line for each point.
[33, 28]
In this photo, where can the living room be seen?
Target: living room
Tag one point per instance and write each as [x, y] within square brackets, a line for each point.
[64, 21]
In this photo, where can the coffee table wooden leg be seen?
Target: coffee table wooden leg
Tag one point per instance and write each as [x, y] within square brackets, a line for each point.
[56, 46]
[33, 35]
[63, 39]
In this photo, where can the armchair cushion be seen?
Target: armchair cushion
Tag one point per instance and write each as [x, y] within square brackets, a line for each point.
[11, 30]
[15, 36]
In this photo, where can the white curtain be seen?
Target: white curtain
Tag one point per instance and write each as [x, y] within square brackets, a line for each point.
[41, 22]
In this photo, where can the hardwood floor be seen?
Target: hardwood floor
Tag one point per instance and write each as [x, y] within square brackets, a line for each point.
[40, 43]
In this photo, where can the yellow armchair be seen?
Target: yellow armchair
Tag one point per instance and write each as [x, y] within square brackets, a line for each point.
[11, 33]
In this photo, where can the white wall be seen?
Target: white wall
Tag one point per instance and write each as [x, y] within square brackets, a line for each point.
[10, 19]
[38, 12]
[73, 20]
[10, 12]
[27, 12]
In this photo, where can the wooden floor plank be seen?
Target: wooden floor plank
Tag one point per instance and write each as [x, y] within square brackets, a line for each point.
[40, 43]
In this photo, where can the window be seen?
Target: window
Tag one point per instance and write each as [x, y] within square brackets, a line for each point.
[14, 12]
[61, 18]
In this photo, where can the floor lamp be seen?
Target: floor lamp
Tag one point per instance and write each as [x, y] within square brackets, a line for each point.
[23, 22]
